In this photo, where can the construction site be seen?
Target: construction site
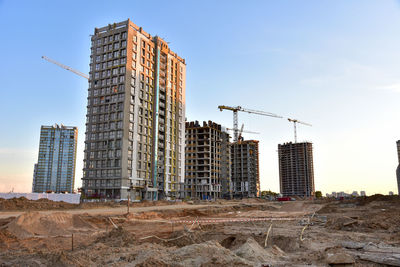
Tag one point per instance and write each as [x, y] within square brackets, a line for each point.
[158, 190]
[252, 232]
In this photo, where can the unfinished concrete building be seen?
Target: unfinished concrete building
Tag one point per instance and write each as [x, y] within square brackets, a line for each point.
[398, 167]
[245, 169]
[203, 160]
[226, 181]
[296, 171]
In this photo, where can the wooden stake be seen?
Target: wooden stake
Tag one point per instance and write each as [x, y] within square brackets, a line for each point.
[72, 242]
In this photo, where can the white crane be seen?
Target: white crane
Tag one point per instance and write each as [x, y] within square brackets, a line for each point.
[66, 67]
[294, 124]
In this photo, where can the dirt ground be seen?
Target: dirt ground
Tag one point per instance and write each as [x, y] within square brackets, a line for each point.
[356, 232]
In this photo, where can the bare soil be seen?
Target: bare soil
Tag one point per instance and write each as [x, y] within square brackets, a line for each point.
[357, 232]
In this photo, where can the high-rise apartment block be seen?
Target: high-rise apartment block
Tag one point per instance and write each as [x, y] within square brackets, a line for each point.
[205, 168]
[245, 169]
[55, 168]
[398, 167]
[135, 132]
[296, 171]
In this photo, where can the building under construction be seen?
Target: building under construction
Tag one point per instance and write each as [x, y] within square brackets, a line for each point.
[203, 160]
[226, 181]
[398, 167]
[245, 169]
[296, 171]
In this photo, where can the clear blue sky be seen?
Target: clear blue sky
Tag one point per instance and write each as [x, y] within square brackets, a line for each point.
[334, 64]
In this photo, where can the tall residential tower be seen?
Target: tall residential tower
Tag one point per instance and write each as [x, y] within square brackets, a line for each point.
[55, 168]
[135, 132]
[296, 169]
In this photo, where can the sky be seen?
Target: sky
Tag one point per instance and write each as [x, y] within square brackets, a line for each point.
[333, 64]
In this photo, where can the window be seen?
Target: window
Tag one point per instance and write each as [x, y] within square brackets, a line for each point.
[123, 44]
[124, 35]
[116, 46]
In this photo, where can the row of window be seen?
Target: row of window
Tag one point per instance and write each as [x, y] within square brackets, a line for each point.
[107, 90]
[105, 117]
[91, 164]
[104, 135]
[104, 154]
[108, 144]
[105, 108]
[110, 38]
[110, 47]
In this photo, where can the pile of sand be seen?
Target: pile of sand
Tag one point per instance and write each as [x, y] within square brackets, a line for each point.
[23, 203]
[38, 224]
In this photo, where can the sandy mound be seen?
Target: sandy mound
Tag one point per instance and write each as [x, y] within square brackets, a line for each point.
[252, 251]
[209, 253]
[59, 223]
[23, 203]
[117, 237]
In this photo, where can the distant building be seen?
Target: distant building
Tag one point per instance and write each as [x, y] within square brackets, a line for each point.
[204, 163]
[55, 169]
[398, 167]
[362, 193]
[245, 169]
[354, 194]
[390, 193]
[296, 170]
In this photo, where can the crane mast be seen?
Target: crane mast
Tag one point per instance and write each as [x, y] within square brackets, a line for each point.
[295, 128]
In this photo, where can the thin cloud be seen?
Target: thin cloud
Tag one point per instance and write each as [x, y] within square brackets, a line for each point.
[395, 87]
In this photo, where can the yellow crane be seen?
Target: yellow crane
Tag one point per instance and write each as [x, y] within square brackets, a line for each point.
[235, 111]
[66, 67]
[295, 128]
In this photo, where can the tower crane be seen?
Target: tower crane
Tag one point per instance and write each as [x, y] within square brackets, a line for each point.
[294, 124]
[235, 117]
[66, 67]
[242, 131]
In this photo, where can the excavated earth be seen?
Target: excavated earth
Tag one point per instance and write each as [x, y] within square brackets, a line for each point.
[356, 232]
